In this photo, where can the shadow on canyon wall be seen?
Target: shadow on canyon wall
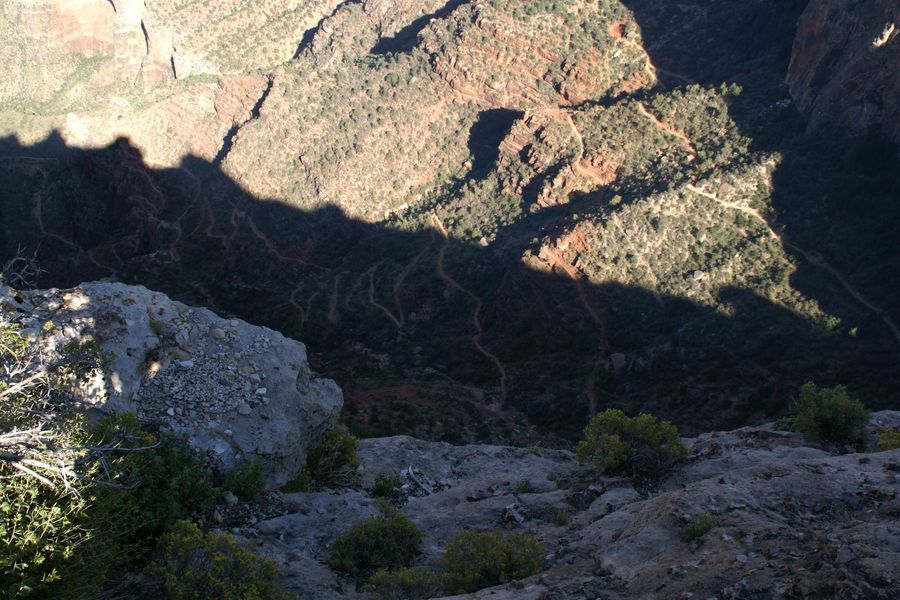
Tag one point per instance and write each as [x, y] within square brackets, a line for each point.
[447, 340]
[834, 197]
[427, 335]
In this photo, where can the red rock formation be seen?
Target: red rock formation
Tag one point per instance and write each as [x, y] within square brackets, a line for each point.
[845, 67]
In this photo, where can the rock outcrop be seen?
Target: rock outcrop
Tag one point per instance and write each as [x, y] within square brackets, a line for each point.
[236, 391]
[793, 521]
[844, 67]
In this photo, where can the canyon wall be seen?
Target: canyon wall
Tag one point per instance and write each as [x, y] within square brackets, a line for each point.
[845, 64]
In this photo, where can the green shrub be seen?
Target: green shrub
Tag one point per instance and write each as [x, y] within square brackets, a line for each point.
[387, 487]
[246, 480]
[561, 517]
[699, 526]
[407, 584]
[830, 415]
[168, 481]
[889, 439]
[197, 566]
[478, 559]
[331, 463]
[641, 446]
[388, 541]
[59, 544]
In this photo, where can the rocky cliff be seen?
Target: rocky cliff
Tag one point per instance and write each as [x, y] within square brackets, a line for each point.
[844, 66]
[235, 391]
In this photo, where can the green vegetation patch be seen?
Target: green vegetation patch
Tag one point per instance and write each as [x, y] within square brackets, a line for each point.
[388, 541]
[889, 439]
[332, 463]
[699, 526]
[641, 447]
[246, 479]
[829, 415]
[198, 566]
[477, 559]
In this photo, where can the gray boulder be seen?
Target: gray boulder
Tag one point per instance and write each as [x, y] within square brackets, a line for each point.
[234, 390]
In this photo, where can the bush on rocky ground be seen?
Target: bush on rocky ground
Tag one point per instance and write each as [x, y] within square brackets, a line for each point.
[246, 480]
[889, 439]
[829, 415]
[388, 541]
[699, 526]
[407, 584]
[641, 447]
[477, 559]
[197, 566]
[332, 463]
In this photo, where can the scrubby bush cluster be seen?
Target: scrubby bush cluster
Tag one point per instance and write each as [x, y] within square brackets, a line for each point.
[477, 559]
[829, 415]
[82, 505]
[699, 526]
[641, 447]
[332, 463]
[246, 479]
[473, 560]
[388, 541]
[197, 566]
[889, 439]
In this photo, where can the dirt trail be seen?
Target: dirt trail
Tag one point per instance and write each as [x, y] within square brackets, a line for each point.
[375, 302]
[402, 277]
[688, 144]
[814, 258]
[37, 213]
[270, 246]
[476, 314]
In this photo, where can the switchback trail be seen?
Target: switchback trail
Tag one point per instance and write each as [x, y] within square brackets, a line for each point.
[576, 276]
[476, 314]
[814, 258]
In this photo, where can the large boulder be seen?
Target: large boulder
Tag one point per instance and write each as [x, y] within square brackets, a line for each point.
[234, 390]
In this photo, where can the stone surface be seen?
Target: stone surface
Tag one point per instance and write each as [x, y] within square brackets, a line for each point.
[794, 521]
[145, 337]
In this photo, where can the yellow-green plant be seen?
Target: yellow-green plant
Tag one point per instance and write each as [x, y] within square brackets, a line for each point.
[407, 584]
[889, 439]
[198, 566]
[641, 446]
[479, 559]
[829, 415]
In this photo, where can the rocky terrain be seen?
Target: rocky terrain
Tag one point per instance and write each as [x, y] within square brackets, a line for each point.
[792, 520]
[235, 391]
[843, 68]
[488, 219]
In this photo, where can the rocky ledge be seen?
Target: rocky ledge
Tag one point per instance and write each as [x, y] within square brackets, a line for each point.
[794, 521]
[234, 390]
[791, 520]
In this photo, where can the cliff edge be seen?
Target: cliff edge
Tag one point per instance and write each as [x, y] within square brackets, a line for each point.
[844, 66]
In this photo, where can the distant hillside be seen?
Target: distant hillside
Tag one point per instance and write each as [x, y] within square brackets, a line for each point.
[488, 219]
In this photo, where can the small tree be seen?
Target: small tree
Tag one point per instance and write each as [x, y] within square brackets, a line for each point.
[829, 415]
[642, 447]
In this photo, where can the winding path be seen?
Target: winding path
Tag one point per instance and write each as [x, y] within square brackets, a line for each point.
[476, 314]
[814, 258]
